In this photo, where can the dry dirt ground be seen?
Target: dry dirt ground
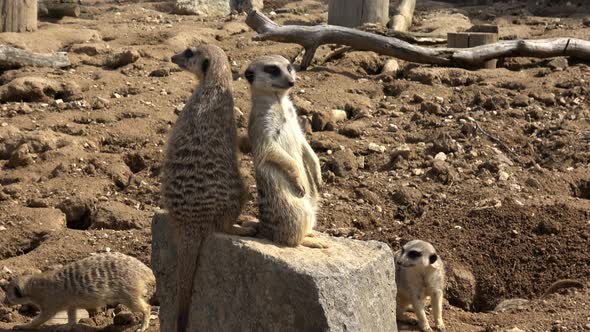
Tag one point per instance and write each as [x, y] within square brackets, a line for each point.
[491, 166]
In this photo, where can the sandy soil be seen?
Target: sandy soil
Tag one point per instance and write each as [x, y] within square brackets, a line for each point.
[491, 166]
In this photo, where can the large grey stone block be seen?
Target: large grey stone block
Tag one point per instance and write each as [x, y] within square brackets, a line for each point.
[202, 7]
[247, 284]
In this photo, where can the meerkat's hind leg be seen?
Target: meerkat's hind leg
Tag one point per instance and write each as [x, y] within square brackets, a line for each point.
[421, 315]
[437, 299]
[141, 306]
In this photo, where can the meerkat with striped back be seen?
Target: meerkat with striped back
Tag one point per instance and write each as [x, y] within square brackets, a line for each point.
[99, 280]
[202, 189]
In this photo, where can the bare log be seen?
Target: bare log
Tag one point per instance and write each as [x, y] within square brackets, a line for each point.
[59, 8]
[311, 37]
[402, 19]
[18, 15]
[354, 13]
[12, 57]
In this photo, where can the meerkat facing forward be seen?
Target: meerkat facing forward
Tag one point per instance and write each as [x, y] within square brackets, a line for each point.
[104, 279]
[288, 174]
[420, 273]
[201, 184]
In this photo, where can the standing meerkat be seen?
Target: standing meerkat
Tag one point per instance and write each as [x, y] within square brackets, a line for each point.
[420, 273]
[288, 174]
[201, 184]
[99, 280]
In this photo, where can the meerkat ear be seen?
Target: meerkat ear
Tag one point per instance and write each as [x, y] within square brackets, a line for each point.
[205, 66]
[432, 258]
[249, 74]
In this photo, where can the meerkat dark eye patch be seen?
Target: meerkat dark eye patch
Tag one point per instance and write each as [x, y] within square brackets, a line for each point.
[272, 70]
[249, 74]
[188, 53]
[17, 292]
[289, 68]
[413, 254]
[433, 258]
[205, 66]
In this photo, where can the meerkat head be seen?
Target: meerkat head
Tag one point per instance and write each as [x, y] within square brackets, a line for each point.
[207, 62]
[270, 74]
[417, 254]
[15, 293]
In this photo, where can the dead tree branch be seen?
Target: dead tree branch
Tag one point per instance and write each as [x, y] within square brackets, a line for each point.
[12, 57]
[311, 37]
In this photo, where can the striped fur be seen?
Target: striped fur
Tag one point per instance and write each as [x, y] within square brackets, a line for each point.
[103, 279]
[201, 185]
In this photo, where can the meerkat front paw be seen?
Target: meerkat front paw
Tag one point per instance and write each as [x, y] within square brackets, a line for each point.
[314, 243]
[242, 230]
[298, 187]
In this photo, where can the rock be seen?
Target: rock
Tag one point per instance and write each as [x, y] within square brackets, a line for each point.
[100, 103]
[432, 108]
[321, 121]
[559, 63]
[343, 163]
[586, 22]
[444, 143]
[533, 183]
[442, 172]
[20, 157]
[353, 129]
[440, 156]
[407, 196]
[520, 101]
[547, 98]
[511, 305]
[376, 148]
[403, 151]
[246, 5]
[503, 176]
[124, 318]
[348, 286]
[548, 227]
[337, 115]
[461, 286]
[90, 49]
[391, 66]
[202, 8]
[121, 59]
[38, 89]
[61, 317]
[514, 329]
[160, 72]
[118, 216]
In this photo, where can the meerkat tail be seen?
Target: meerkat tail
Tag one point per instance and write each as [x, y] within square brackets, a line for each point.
[190, 242]
[560, 284]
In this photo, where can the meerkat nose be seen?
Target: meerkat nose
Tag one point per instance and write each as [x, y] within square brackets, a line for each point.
[291, 83]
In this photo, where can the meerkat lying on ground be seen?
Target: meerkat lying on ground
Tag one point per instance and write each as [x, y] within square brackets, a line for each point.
[288, 174]
[201, 184]
[104, 279]
[420, 273]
